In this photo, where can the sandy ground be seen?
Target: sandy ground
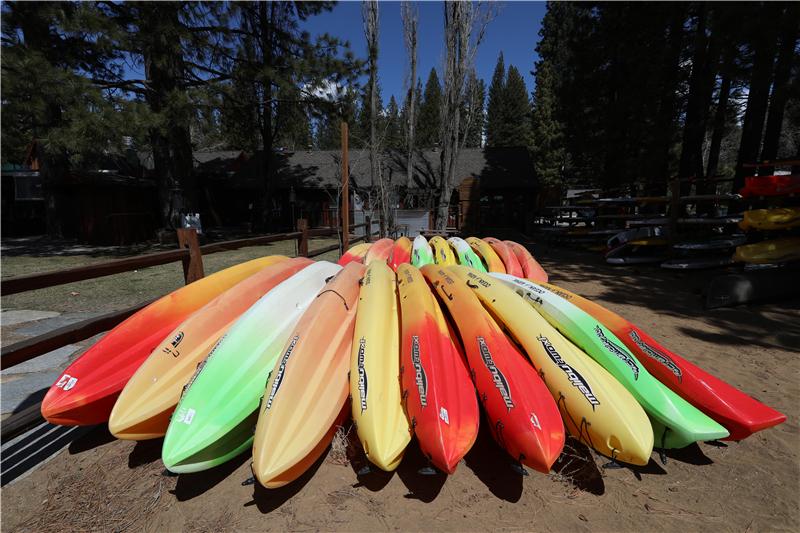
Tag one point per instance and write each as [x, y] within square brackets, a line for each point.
[102, 484]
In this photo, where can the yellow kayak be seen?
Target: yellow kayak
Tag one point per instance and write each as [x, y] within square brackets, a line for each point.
[442, 253]
[381, 421]
[487, 254]
[595, 407]
[771, 219]
[774, 251]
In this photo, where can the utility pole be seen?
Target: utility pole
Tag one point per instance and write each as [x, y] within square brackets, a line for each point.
[345, 189]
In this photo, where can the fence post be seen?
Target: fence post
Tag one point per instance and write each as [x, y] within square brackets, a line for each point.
[368, 228]
[192, 265]
[302, 242]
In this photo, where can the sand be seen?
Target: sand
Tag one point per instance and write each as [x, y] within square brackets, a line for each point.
[100, 484]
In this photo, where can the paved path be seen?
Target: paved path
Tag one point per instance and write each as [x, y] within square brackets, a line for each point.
[26, 383]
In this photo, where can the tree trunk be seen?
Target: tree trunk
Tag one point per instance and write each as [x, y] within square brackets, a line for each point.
[701, 87]
[720, 113]
[757, 98]
[172, 149]
[457, 33]
[780, 87]
[410, 17]
[664, 127]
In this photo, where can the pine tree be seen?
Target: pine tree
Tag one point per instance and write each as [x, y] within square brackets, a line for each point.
[394, 128]
[291, 120]
[516, 112]
[547, 148]
[404, 113]
[494, 109]
[360, 133]
[474, 135]
[430, 109]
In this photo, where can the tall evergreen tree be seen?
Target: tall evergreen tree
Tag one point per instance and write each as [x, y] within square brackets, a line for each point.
[516, 112]
[547, 132]
[474, 135]
[430, 113]
[494, 109]
[394, 128]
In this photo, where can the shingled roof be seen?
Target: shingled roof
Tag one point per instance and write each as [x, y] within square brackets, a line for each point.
[321, 169]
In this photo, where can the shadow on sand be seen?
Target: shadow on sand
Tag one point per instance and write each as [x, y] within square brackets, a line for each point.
[268, 500]
[577, 466]
[421, 486]
[190, 486]
[493, 466]
[96, 437]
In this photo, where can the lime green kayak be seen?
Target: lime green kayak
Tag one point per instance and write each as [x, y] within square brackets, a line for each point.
[465, 254]
[676, 423]
[216, 416]
[421, 253]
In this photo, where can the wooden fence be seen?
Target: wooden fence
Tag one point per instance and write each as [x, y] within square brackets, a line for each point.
[189, 253]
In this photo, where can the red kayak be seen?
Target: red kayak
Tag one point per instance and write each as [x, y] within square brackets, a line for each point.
[531, 268]
[770, 185]
[740, 414]
[525, 420]
[438, 393]
[87, 390]
[508, 257]
[401, 253]
[381, 250]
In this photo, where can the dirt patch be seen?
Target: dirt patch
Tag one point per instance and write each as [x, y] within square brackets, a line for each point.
[105, 485]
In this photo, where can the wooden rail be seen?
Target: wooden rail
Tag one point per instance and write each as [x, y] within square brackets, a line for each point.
[191, 255]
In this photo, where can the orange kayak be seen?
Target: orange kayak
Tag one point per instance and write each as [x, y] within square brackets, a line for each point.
[381, 250]
[401, 253]
[531, 268]
[510, 261]
[144, 408]
[355, 253]
[438, 393]
[87, 390]
[306, 394]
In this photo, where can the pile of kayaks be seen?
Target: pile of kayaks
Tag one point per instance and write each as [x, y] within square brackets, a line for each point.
[408, 339]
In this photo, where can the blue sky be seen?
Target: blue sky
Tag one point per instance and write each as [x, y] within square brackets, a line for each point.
[515, 32]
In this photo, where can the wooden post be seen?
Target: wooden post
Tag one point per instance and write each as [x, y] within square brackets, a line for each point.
[302, 242]
[345, 189]
[192, 265]
[368, 228]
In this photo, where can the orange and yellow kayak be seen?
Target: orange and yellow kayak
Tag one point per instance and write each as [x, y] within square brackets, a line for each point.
[355, 253]
[144, 408]
[401, 253]
[487, 254]
[307, 391]
[381, 250]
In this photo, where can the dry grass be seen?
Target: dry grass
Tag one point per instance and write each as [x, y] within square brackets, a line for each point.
[339, 445]
[128, 288]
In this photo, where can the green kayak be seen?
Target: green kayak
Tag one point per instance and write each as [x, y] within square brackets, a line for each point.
[217, 414]
[465, 254]
[676, 423]
[421, 253]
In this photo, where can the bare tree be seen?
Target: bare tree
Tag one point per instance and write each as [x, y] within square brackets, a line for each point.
[464, 28]
[410, 16]
[369, 14]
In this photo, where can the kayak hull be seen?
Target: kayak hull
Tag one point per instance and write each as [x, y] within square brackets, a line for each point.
[304, 398]
[439, 394]
[381, 422]
[522, 415]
